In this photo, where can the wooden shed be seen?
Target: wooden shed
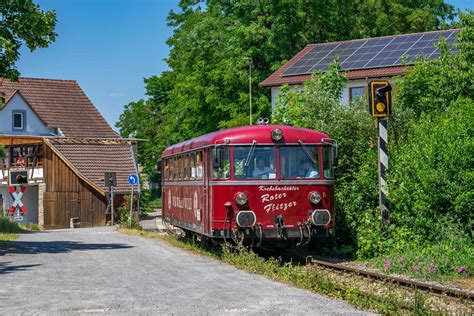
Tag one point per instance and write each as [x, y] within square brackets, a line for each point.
[60, 144]
[66, 175]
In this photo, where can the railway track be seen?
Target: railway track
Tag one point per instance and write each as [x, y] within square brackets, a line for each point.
[400, 281]
[407, 283]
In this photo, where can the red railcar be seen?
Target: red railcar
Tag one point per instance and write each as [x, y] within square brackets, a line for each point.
[260, 183]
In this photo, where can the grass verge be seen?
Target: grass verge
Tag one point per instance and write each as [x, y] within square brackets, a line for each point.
[9, 230]
[359, 291]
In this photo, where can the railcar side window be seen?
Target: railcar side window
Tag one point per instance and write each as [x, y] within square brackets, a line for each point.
[222, 171]
[299, 162]
[166, 163]
[199, 165]
[180, 168]
[261, 162]
[173, 168]
[192, 164]
[328, 170]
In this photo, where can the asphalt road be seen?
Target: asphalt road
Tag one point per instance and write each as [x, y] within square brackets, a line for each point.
[98, 270]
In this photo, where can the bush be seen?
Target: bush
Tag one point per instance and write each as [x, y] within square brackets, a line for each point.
[432, 174]
[123, 214]
[8, 226]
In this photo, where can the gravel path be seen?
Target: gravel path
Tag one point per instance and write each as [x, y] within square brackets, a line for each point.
[98, 270]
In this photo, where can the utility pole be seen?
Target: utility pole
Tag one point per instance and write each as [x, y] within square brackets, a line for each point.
[250, 86]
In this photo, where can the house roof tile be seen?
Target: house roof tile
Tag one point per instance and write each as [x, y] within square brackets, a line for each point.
[60, 103]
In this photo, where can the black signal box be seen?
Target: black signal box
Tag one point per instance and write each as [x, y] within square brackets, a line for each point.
[18, 177]
[110, 179]
[380, 98]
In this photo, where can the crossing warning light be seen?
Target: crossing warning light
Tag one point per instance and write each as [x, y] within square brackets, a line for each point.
[380, 98]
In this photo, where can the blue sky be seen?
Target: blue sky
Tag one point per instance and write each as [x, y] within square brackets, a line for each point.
[109, 46]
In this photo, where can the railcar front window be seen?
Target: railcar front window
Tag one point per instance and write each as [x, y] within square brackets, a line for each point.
[328, 170]
[222, 171]
[261, 162]
[298, 162]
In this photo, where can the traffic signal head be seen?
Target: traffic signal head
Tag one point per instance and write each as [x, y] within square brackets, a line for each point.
[380, 99]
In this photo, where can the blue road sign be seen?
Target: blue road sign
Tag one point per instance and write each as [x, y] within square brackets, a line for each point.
[133, 179]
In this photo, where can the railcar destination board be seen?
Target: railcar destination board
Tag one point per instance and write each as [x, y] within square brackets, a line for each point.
[373, 52]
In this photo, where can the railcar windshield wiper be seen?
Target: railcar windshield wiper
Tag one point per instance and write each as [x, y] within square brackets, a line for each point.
[307, 152]
[252, 148]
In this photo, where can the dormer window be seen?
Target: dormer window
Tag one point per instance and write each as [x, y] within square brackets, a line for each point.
[19, 120]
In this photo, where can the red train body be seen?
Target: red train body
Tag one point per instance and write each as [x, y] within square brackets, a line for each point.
[261, 183]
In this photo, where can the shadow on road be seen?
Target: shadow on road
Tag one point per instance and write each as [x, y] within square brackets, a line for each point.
[6, 267]
[36, 247]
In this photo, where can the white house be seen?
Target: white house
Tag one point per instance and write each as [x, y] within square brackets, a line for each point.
[362, 60]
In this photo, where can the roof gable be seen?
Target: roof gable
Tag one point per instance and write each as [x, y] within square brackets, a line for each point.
[60, 103]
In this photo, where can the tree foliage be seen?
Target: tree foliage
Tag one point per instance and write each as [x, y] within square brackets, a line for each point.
[143, 119]
[22, 22]
[208, 78]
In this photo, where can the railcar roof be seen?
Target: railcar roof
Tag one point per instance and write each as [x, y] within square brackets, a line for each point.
[245, 135]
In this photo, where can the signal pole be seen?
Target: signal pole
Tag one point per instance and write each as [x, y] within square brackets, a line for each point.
[382, 128]
[380, 107]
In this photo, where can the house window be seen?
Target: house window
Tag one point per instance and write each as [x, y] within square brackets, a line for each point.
[354, 92]
[19, 120]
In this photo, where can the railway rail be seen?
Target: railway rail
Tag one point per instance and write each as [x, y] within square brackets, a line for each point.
[436, 289]
[407, 283]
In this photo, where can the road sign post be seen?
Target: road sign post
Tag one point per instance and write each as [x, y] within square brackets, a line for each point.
[132, 180]
[110, 179]
[380, 107]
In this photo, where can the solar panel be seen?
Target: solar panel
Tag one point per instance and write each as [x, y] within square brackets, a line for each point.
[373, 52]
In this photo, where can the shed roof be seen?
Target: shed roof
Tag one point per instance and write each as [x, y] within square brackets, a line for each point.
[90, 159]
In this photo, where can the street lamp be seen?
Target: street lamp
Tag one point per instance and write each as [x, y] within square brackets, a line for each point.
[249, 59]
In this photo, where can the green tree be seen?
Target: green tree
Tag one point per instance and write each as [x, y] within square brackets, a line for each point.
[144, 119]
[22, 22]
[207, 85]
[210, 43]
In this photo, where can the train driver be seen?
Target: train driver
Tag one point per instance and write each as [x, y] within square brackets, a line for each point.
[261, 171]
[308, 170]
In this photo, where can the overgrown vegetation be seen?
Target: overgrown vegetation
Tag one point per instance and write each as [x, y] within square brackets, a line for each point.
[9, 230]
[123, 214]
[360, 292]
[431, 173]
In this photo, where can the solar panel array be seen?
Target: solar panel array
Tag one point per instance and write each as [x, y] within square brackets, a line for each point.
[373, 52]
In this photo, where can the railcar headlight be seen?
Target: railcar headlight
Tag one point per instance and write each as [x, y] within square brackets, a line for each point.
[245, 219]
[241, 198]
[320, 217]
[315, 197]
[277, 134]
